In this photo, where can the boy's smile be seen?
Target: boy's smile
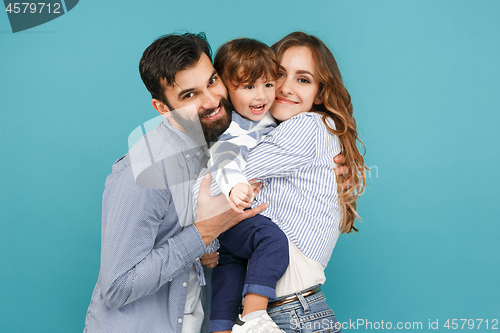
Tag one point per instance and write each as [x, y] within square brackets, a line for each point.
[252, 101]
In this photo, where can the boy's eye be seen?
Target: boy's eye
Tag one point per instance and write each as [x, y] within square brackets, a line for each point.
[250, 87]
[269, 85]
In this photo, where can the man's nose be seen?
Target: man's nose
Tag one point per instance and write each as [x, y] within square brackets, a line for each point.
[210, 101]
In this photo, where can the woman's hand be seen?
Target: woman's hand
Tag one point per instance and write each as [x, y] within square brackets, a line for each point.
[341, 171]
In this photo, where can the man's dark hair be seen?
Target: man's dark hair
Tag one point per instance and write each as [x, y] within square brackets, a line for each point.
[168, 55]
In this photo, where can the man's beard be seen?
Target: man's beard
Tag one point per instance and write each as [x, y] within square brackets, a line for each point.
[213, 129]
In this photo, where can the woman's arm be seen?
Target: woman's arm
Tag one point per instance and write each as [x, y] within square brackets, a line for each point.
[286, 149]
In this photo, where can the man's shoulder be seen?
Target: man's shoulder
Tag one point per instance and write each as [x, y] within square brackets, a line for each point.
[146, 153]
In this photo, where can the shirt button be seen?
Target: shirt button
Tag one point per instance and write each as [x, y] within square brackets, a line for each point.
[198, 153]
[170, 280]
[180, 320]
[184, 284]
[197, 259]
[187, 156]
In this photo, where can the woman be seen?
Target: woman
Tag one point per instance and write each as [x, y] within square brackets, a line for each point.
[295, 163]
[317, 124]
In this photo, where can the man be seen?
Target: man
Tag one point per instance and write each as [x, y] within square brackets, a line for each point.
[150, 278]
[150, 274]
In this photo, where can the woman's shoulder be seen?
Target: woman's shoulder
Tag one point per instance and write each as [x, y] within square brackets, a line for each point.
[315, 127]
[303, 120]
[303, 124]
[302, 129]
[317, 118]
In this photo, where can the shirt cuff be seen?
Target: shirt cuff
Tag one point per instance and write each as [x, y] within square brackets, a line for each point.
[232, 180]
[190, 244]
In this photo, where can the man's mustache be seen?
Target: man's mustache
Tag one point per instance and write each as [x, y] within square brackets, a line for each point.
[223, 103]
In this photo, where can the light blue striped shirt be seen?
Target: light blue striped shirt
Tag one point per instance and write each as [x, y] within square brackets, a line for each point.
[295, 164]
[149, 243]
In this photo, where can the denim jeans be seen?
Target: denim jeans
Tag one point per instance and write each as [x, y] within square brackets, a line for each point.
[307, 315]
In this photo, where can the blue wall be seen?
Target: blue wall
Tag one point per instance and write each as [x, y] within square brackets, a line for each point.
[424, 77]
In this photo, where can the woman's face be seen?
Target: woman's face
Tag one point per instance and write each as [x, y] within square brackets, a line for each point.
[297, 88]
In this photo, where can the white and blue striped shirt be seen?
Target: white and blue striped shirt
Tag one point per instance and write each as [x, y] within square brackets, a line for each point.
[229, 154]
[295, 164]
[228, 157]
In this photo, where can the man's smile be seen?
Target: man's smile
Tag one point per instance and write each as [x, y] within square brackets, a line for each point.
[217, 113]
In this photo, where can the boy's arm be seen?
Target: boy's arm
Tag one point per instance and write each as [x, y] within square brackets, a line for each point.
[227, 164]
[229, 155]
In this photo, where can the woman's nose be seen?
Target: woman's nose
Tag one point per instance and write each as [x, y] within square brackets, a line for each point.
[284, 87]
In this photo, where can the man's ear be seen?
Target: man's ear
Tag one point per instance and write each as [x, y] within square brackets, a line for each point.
[160, 107]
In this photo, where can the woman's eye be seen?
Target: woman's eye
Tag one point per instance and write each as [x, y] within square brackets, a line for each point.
[303, 80]
[281, 74]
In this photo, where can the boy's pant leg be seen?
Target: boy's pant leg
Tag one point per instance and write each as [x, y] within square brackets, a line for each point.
[227, 283]
[265, 245]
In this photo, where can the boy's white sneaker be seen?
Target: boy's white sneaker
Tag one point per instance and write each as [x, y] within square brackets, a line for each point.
[256, 322]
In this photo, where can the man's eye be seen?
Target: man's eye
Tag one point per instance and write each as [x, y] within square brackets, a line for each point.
[188, 95]
[212, 81]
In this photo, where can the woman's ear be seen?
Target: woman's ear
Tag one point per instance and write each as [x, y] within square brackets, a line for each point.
[319, 99]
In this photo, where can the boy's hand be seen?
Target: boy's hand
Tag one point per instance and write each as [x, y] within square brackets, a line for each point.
[214, 214]
[257, 186]
[241, 197]
[210, 259]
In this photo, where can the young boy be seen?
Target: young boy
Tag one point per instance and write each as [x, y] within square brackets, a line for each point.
[254, 253]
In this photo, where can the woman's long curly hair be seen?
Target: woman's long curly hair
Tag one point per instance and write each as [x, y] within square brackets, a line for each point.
[337, 107]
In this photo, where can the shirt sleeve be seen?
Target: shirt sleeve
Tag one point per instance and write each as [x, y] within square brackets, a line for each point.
[132, 264]
[285, 150]
[227, 165]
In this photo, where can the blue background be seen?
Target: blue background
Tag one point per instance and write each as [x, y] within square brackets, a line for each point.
[424, 78]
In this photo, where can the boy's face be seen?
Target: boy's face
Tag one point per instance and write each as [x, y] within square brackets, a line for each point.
[252, 101]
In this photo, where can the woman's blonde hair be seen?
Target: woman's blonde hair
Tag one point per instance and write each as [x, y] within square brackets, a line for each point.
[337, 107]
